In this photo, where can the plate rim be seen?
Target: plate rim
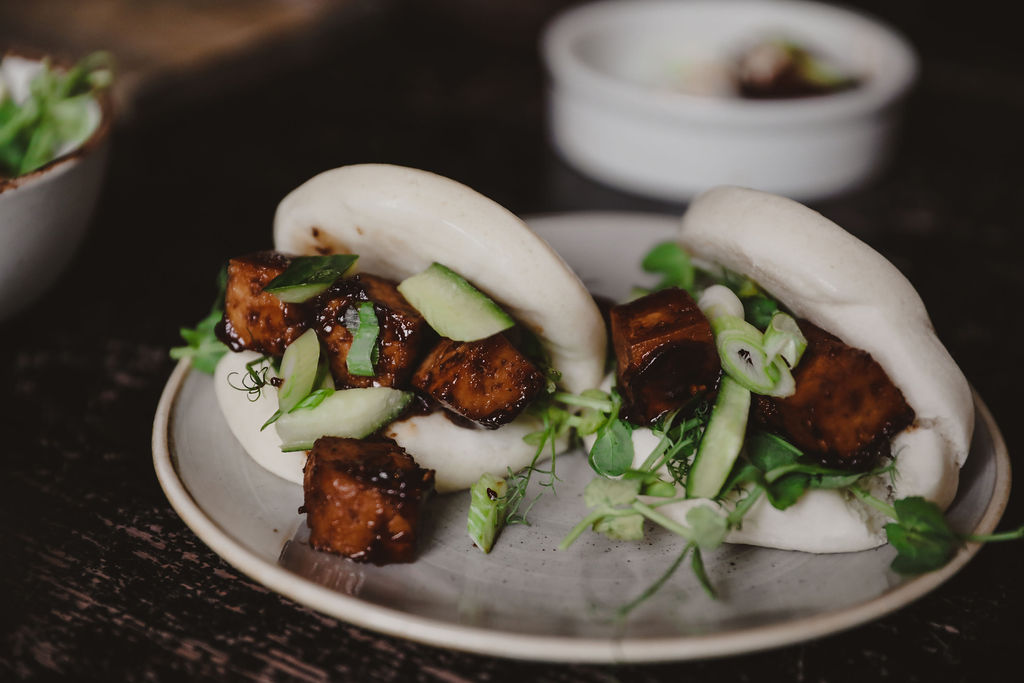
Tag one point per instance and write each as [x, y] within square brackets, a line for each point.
[564, 649]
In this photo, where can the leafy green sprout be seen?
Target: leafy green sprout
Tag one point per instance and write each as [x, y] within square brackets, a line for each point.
[56, 115]
[201, 343]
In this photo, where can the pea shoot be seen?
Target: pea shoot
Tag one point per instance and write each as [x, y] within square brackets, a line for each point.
[57, 114]
[201, 343]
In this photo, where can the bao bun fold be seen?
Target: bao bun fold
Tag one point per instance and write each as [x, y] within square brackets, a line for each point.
[825, 275]
[399, 221]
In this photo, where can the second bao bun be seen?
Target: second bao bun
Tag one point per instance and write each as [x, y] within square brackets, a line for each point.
[827, 276]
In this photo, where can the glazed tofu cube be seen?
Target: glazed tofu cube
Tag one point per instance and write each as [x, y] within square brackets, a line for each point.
[363, 499]
[256, 320]
[845, 409]
[487, 381]
[665, 352]
[404, 334]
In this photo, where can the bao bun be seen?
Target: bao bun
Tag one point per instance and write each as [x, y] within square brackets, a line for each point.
[399, 221]
[825, 275]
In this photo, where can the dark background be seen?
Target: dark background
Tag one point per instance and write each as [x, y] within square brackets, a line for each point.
[99, 578]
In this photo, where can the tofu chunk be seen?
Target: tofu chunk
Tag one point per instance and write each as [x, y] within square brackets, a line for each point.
[665, 352]
[845, 409]
[404, 334]
[256, 320]
[363, 499]
[487, 381]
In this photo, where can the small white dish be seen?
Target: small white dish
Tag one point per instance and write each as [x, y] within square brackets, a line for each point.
[526, 600]
[615, 115]
[44, 213]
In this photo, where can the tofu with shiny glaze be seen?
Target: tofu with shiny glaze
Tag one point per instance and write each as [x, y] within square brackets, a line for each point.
[845, 410]
[404, 334]
[665, 352]
[363, 499]
[256, 320]
[487, 381]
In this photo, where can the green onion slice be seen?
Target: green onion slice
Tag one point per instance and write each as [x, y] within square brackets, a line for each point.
[717, 301]
[308, 276]
[486, 510]
[784, 338]
[743, 358]
[362, 354]
[741, 346]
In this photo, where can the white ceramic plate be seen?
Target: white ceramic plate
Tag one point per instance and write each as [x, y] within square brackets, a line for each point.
[525, 599]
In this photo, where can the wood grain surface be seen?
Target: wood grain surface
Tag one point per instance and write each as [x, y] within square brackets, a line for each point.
[99, 578]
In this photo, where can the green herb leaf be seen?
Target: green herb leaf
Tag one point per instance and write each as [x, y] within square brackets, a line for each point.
[673, 263]
[921, 536]
[612, 453]
[658, 488]
[308, 276]
[621, 527]
[610, 492]
[362, 354]
[768, 451]
[708, 528]
[788, 489]
[759, 309]
[202, 345]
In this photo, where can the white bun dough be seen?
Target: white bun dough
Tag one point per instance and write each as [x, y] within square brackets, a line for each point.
[245, 417]
[460, 456]
[824, 274]
[399, 221]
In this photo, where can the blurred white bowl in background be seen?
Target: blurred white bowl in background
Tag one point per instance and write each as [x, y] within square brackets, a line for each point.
[44, 213]
[616, 115]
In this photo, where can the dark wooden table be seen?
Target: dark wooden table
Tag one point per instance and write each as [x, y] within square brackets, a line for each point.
[99, 578]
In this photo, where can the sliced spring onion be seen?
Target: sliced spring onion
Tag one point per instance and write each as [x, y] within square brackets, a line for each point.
[307, 276]
[741, 346]
[722, 441]
[362, 354]
[719, 300]
[742, 356]
[298, 370]
[486, 510]
[784, 338]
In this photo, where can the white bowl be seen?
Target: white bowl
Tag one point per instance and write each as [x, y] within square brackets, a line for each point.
[44, 213]
[614, 115]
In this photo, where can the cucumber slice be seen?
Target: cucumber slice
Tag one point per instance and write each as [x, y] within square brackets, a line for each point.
[452, 306]
[352, 413]
[722, 441]
[298, 370]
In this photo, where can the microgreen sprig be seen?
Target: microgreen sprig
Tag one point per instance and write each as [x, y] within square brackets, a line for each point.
[201, 343]
[923, 539]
